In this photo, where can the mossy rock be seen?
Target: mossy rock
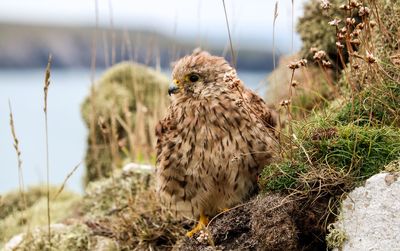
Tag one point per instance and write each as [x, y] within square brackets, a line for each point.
[343, 155]
[16, 219]
[121, 113]
[125, 209]
[63, 238]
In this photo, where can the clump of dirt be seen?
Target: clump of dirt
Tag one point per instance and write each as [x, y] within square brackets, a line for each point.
[267, 222]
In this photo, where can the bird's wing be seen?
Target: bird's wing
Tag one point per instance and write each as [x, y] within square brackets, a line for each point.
[162, 130]
[258, 106]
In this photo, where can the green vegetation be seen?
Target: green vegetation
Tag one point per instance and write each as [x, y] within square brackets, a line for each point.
[339, 145]
[121, 114]
[14, 219]
[314, 29]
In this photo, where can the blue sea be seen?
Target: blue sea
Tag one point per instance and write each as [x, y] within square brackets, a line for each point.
[67, 132]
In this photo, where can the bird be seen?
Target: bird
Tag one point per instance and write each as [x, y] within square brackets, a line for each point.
[214, 140]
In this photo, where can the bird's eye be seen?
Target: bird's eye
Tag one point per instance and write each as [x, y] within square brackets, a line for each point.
[193, 78]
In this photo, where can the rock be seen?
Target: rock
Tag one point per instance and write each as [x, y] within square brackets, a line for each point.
[370, 217]
[121, 113]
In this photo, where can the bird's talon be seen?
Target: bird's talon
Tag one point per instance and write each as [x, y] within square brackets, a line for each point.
[203, 221]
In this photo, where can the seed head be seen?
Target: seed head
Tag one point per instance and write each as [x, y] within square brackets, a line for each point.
[344, 7]
[354, 4]
[355, 41]
[370, 58]
[319, 55]
[364, 11]
[303, 62]
[297, 64]
[326, 64]
[356, 32]
[285, 102]
[313, 49]
[350, 21]
[339, 45]
[334, 22]
[325, 4]
[360, 26]
[294, 65]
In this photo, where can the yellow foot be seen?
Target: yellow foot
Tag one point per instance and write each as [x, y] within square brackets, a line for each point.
[203, 221]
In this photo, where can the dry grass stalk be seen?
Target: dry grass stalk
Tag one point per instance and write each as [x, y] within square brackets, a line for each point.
[292, 37]
[66, 179]
[46, 90]
[20, 173]
[113, 35]
[93, 120]
[273, 34]
[233, 59]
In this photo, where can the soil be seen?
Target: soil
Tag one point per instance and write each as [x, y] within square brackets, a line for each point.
[267, 222]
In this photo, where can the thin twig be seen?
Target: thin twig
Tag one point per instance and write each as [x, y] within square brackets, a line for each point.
[46, 90]
[113, 35]
[66, 179]
[292, 26]
[229, 35]
[273, 35]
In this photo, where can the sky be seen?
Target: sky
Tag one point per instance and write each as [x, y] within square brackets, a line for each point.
[251, 20]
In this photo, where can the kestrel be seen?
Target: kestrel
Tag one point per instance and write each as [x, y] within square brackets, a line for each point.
[214, 140]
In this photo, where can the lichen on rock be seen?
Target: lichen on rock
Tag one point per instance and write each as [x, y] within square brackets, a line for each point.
[369, 217]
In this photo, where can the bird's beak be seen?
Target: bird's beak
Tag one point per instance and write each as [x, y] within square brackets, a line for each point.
[173, 88]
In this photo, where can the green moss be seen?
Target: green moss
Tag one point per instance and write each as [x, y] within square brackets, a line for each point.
[344, 150]
[63, 238]
[363, 151]
[375, 105]
[393, 166]
[282, 176]
[128, 133]
[105, 195]
[335, 238]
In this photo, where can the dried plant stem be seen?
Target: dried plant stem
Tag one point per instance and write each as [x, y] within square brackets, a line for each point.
[292, 37]
[46, 90]
[273, 37]
[18, 152]
[92, 122]
[66, 179]
[113, 35]
[229, 36]
[107, 134]
[328, 79]
[289, 113]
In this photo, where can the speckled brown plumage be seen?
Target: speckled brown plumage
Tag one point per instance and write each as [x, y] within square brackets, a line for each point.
[214, 140]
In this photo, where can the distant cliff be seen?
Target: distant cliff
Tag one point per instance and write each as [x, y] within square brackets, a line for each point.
[23, 46]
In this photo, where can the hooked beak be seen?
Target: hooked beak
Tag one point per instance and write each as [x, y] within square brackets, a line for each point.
[173, 88]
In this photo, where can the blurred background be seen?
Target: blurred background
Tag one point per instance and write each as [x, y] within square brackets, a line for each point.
[76, 32]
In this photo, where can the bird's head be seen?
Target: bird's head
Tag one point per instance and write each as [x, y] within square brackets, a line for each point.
[196, 73]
